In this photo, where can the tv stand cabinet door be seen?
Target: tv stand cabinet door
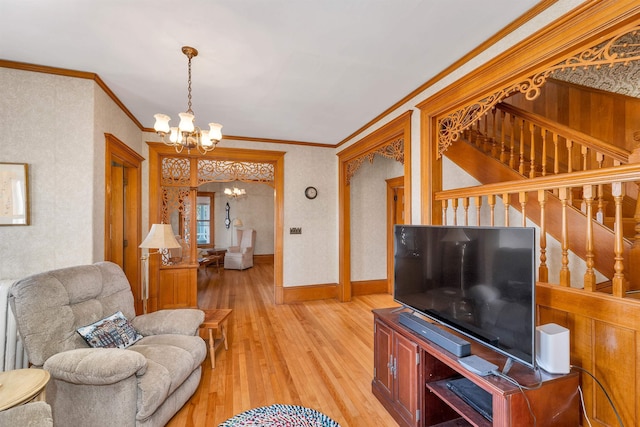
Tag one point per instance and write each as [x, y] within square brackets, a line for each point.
[406, 378]
[396, 378]
[383, 359]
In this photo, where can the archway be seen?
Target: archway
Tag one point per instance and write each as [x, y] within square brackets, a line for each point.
[186, 274]
[392, 140]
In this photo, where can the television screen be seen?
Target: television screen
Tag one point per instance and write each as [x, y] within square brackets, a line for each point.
[479, 281]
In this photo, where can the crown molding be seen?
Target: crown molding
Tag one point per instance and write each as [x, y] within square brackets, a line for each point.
[75, 74]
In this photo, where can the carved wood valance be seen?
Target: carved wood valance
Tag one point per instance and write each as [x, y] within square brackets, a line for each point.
[221, 170]
[393, 150]
[177, 171]
[622, 48]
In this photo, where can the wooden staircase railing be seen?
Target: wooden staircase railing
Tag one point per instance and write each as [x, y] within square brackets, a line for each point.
[623, 255]
[534, 145]
[542, 146]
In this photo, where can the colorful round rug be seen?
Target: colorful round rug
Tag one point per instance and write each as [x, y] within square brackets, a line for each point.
[280, 416]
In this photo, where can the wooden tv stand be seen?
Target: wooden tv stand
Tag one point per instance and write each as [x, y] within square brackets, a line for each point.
[410, 375]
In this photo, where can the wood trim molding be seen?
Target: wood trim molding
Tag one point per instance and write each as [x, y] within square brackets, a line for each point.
[293, 294]
[399, 128]
[369, 287]
[116, 149]
[75, 74]
[263, 259]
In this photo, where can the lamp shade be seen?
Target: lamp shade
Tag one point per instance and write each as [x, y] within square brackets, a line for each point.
[160, 236]
[162, 123]
[215, 132]
[237, 222]
[186, 122]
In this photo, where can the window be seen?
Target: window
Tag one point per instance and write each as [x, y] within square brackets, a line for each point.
[204, 220]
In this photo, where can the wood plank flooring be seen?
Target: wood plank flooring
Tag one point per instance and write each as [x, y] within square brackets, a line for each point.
[317, 354]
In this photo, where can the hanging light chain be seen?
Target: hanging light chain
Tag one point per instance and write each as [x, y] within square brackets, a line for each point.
[189, 55]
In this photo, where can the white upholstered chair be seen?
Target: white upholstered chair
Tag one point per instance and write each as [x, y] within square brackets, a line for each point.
[241, 257]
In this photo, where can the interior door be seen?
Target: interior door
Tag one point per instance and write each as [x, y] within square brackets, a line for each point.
[123, 212]
[395, 215]
[117, 242]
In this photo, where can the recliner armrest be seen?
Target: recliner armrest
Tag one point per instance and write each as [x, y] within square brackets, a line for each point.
[183, 321]
[95, 366]
[32, 414]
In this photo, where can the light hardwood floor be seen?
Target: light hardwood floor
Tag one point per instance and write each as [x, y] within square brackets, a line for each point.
[317, 354]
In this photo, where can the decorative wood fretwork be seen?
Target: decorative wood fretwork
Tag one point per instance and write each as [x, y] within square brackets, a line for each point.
[175, 171]
[221, 170]
[621, 48]
[393, 150]
[176, 210]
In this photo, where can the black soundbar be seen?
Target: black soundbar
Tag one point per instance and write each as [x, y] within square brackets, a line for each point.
[438, 336]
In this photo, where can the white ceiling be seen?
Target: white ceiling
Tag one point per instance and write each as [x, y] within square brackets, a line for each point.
[300, 70]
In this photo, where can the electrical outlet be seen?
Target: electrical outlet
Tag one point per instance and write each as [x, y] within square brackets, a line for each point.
[295, 230]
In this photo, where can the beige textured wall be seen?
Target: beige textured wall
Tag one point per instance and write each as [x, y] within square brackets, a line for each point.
[55, 124]
[311, 257]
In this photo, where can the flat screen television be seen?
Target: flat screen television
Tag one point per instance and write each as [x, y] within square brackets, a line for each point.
[479, 281]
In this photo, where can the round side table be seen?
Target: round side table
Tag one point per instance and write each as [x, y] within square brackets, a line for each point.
[21, 386]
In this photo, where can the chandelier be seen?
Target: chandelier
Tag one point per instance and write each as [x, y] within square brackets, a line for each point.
[235, 193]
[187, 134]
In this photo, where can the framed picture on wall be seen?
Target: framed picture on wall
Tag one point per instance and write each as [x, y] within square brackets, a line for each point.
[14, 194]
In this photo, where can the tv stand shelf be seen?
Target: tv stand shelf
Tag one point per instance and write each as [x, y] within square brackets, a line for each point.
[411, 372]
[439, 388]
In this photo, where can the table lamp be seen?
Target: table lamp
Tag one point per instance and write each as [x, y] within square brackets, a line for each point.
[161, 237]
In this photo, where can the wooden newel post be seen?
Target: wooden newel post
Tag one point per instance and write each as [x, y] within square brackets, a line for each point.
[633, 261]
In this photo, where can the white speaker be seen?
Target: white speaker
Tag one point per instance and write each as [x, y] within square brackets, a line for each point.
[552, 348]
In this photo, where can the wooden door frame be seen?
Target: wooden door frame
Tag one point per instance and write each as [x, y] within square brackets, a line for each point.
[392, 185]
[353, 155]
[118, 150]
[158, 149]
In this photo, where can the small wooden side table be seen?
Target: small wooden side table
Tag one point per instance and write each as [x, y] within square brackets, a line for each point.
[214, 321]
[21, 386]
[211, 259]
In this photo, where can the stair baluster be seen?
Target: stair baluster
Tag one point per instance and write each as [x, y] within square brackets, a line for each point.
[532, 151]
[619, 285]
[565, 273]
[589, 275]
[543, 270]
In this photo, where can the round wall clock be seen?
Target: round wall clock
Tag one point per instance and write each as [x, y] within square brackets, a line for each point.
[311, 192]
